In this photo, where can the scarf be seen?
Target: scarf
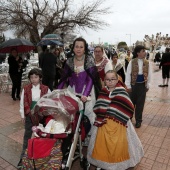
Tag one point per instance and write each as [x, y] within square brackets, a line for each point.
[117, 66]
[115, 105]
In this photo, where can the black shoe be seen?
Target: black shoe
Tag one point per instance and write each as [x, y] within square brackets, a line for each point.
[166, 85]
[14, 99]
[18, 98]
[138, 125]
[161, 85]
[19, 164]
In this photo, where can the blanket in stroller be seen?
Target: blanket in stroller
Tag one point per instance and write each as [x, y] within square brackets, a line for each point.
[51, 162]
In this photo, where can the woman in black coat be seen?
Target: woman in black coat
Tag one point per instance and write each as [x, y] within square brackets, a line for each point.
[117, 66]
[15, 71]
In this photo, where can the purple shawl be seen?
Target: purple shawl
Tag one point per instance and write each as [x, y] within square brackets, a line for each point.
[91, 75]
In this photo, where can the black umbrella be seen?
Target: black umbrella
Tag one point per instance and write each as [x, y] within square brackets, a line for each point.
[21, 45]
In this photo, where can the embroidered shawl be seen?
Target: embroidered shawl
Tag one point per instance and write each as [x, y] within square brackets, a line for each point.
[117, 66]
[101, 67]
[115, 105]
[102, 64]
[90, 68]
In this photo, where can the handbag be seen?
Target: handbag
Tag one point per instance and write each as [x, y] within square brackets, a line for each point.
[40, 147]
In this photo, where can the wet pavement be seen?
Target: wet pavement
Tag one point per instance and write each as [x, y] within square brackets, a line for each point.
[154, 132]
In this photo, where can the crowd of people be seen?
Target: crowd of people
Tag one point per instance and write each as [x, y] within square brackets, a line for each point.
[112, 94]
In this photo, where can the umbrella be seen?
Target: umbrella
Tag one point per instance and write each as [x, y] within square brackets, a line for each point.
[49, 42]
[52, 37]
[21, 45]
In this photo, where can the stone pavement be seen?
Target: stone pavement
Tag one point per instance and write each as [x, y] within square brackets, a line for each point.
[154, 132]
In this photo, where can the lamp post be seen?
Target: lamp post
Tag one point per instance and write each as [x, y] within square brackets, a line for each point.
[130, 38]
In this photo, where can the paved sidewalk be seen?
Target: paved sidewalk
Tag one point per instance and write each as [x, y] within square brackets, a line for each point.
[154, 132]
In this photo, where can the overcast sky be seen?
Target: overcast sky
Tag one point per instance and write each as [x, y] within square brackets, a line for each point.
[135, 18]
[130, 21]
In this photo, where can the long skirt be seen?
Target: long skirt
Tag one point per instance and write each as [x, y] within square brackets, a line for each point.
[114, 147]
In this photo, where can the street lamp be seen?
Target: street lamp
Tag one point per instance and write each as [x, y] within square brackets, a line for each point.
[130, 38]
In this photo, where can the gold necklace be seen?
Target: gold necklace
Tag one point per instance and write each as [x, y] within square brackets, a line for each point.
[76, 69]
[79, 60]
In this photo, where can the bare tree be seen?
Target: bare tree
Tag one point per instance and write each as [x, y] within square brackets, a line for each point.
[36, 18]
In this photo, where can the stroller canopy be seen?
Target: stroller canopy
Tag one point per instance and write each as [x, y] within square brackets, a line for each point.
[61, 105]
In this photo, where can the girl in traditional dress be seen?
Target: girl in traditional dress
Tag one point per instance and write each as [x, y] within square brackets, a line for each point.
[114, 144]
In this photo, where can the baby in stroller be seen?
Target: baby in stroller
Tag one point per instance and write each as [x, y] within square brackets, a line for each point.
[57, 128]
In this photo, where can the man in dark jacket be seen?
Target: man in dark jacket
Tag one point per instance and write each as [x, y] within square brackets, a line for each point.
[165, 64]
[48, 65]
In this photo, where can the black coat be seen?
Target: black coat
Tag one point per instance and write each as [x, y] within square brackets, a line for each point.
[165, 61]
[157, 57]
[48, 64]
[14, 67]
[122, 74]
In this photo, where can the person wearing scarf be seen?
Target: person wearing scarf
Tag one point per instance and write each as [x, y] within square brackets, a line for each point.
[81, 76]
[103, 64]
[117, 66]
[114, 144]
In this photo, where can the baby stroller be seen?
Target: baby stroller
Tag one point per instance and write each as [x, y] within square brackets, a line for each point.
[58, 119]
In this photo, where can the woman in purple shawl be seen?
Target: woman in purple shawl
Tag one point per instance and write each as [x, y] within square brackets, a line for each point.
[81, 76]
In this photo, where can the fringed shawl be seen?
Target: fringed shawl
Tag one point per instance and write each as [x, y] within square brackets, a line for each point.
[114, 105]
[90, 68]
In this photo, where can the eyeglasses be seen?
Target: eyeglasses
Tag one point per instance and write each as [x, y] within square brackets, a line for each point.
[110, 80]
